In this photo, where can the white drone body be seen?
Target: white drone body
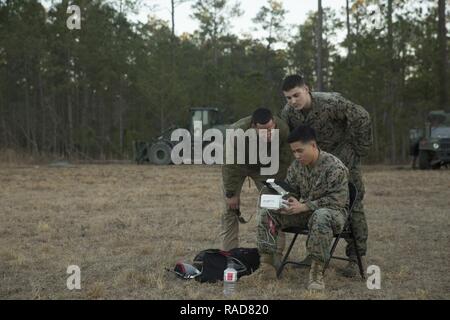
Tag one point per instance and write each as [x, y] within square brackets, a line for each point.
[274, 201]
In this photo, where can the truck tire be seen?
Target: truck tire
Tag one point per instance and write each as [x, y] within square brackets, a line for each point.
[436, 166]
[160, 154]
[424, 160]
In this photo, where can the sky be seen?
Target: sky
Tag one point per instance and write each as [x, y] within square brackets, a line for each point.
[297, 12]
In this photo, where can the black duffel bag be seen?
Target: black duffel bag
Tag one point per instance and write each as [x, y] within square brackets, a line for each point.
[213, 262]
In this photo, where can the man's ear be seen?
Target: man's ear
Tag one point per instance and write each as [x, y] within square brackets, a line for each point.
[275, 123]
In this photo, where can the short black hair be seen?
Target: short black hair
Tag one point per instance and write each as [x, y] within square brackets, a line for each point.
[262, 116]
[293, 81]
[302, 134]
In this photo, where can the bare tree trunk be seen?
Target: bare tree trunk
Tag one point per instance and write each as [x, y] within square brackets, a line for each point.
[43, 123]
[4, 143]
[172, 62]
[392, 83]
[121, 132]
[27, 129]
[401, 103]
[95, 114]
[375, 135]
[393, 138]
[405, 144]
[349, 32]
[172, 12]
[3, 116]
[55, 124]
[443, 57]
[162, 119]
[69, 142]
[101, 124]
[121, 126]
[84, 114]
[319, 47]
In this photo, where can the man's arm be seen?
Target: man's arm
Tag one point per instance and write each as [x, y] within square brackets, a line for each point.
[285, 153]
[335, 193]
[233, 174]
[285, 116]
[291, 180]
[359, 125]
[233, 177]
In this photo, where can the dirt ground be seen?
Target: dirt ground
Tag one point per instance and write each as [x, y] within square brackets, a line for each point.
[124, 224]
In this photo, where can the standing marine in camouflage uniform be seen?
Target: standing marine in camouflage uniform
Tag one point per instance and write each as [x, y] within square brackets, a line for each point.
[343, 129]
[234, 175]
[319, 202]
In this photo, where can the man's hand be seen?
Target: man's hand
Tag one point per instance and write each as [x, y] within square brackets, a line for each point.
[233, 203]
[294, 207]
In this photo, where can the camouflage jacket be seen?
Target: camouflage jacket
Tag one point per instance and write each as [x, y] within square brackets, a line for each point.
[323, 185]
[233, 175]
[343, 128]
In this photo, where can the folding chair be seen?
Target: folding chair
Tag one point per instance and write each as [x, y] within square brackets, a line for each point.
[346, 233]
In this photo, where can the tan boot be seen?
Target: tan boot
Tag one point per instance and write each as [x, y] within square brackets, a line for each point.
[352, 269]
[316, 276]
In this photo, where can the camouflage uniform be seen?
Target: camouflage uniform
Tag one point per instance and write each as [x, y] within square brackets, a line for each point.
[233, 177]
[343, 129]
[323, 187]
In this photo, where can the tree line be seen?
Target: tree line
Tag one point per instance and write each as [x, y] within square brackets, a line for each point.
[90, 93]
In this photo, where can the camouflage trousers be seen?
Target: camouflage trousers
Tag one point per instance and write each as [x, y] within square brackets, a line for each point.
[229, 221]
[322, 224]
[358, 216]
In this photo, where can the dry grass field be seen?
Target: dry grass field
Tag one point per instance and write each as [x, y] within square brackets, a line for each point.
[124, 224]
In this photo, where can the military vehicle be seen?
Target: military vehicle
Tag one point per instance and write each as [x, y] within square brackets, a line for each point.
[159, 150]
[431, 144]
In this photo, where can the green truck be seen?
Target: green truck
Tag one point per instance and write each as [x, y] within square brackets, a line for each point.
[431, 144]
[158, 151]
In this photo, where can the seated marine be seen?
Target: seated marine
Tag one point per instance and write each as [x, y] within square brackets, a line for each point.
[319, 202]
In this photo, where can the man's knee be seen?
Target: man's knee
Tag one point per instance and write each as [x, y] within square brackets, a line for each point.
[320, 217]
[326, 221]
[263, 214]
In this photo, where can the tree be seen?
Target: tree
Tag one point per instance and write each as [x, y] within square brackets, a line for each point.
[302, 49]
[319, 46]
[349, 32]
[89, 93]
[173, 5]
[443, 56]
[214, 17]
[271, 19]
